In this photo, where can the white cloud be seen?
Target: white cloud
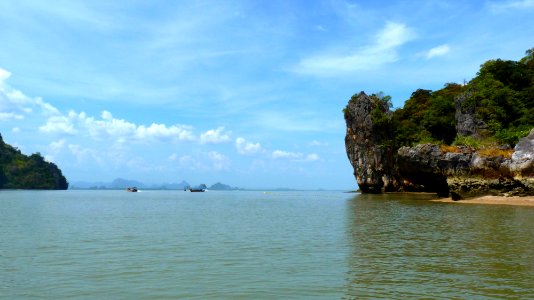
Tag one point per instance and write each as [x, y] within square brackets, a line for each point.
[514, 4]
[215, 136]
[14, 105]
[162, 132]
[57, 145]
[59, 124]
[438, 51]
[312, 157]
[15, 130]
[393, 35]
[381, 51]
[173, 157]
[54, 149]
[85, 154]
[4, 74]
[118, 129]
[317, 143]
[8, 116]
[219, 161]
[286, 154]
[244, 147]
[295, 156]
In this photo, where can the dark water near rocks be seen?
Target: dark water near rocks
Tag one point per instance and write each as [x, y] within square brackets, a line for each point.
[255, 245]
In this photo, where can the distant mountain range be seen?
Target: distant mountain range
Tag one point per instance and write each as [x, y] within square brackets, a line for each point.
[121, 183]
[223, 187]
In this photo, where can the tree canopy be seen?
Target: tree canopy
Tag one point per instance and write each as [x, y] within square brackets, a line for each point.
[19, 171]
[501, 96]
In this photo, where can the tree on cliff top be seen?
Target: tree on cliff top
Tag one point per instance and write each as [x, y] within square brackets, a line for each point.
[501, 95]
[427, 116]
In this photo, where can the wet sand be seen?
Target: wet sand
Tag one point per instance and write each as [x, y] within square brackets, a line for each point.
[494, 200]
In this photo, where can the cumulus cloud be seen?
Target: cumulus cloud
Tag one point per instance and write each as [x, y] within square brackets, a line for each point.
[438, 51]
[119, 129]
[14, 105]
[54, 149]
[381, 51]
[295, 156]
[244, 147]
[59, 124]
[215, 136]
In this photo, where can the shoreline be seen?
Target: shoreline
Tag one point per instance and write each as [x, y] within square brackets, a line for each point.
[492, 200]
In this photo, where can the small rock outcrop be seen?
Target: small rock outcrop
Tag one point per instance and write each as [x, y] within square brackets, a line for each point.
[522, 163]
[467, 124]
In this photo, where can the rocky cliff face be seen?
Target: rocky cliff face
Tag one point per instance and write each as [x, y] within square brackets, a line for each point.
[466, 172]
[373, 162]
[522, 163]
[466, 122]
[429, 168]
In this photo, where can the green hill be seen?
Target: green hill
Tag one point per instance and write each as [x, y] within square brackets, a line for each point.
[19, 171]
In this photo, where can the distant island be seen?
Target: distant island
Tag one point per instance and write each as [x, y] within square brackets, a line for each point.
[463, 140]
[19, 171]
[121, 183]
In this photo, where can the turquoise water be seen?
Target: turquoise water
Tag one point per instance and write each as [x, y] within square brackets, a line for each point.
[255, 245]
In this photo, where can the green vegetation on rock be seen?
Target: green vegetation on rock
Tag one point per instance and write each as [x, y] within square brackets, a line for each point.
[427, 116]
[440, 140]
[19, 171]
[498, 106]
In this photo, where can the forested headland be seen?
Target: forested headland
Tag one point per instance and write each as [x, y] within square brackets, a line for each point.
[19, 171]
[498, 109]
[471, 138]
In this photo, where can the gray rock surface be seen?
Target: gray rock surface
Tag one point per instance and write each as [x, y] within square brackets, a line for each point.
[466, 122]
[522, 163]
[373, 164]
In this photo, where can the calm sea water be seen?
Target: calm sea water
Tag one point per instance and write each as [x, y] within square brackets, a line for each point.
[255, 245]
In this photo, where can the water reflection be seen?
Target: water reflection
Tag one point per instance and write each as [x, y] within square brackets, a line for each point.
[402, 246]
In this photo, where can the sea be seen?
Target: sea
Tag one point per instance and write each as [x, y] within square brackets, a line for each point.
[85, 244]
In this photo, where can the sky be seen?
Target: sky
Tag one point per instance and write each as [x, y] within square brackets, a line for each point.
[248, 93]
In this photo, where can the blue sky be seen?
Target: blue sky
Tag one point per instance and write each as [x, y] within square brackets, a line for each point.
[248, 93]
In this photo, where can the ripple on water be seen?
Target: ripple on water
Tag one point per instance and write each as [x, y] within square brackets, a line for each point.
[303, 245]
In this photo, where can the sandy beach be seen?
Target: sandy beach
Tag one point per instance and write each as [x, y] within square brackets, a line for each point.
[494, 200]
